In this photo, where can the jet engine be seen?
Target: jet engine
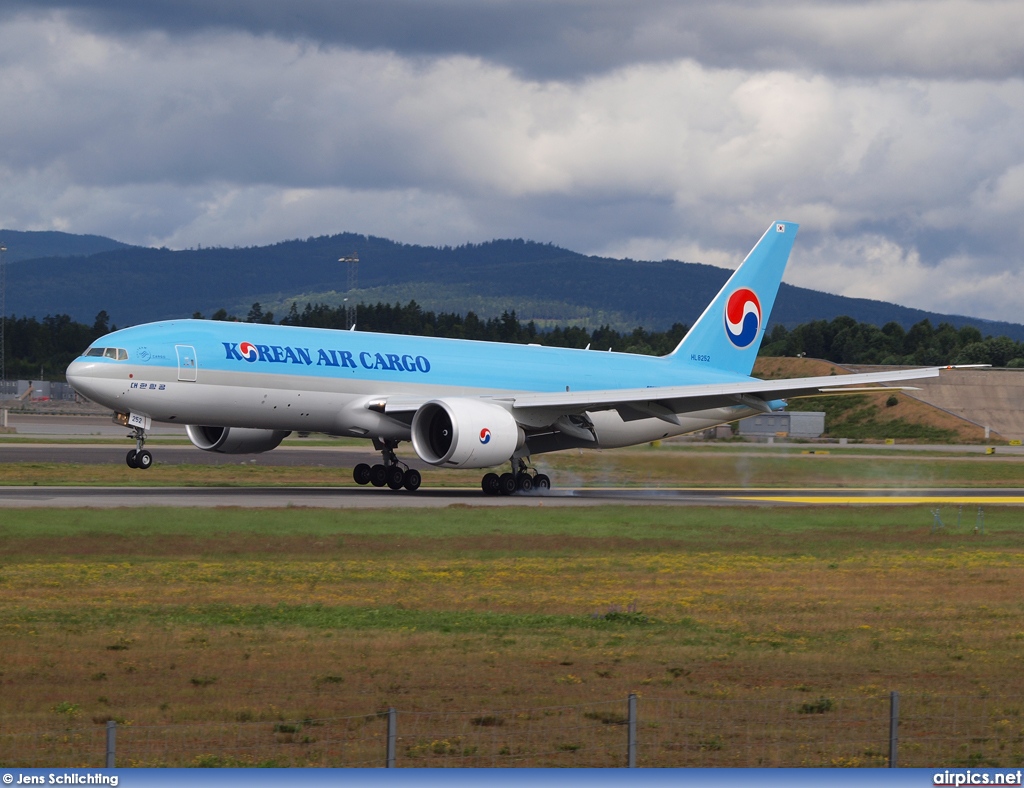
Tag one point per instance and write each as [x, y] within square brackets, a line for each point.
[235, 440]
[465, 433]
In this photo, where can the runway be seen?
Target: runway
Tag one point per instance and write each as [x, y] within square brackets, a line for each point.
[346, 456]
[352, 497]
[347, 495]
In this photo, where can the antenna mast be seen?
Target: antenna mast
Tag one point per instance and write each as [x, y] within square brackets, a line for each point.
[353, 284]
[353, 270]
[3, 319]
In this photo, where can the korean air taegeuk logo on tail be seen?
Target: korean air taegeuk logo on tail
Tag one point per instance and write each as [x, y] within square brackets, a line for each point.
[742, 317]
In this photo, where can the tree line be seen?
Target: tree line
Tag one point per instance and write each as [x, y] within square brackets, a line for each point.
[35, 348]
[42, 349]
[845, 341]
[412, 319]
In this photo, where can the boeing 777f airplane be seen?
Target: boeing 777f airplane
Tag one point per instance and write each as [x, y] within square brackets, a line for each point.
[241, 388]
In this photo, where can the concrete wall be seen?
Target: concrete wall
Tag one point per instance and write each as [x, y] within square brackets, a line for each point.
[992, 398]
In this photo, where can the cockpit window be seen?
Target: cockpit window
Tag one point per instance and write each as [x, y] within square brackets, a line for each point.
[115, 353]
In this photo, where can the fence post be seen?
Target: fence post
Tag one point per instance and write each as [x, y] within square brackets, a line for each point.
[111, 743]
[631, 733]
[894, 722]
[392, 736]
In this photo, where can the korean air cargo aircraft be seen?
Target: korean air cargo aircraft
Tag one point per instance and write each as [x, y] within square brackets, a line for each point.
[241, 388]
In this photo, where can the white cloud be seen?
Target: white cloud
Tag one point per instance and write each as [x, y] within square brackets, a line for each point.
[264, 215]
[873, 266]
[904, 186]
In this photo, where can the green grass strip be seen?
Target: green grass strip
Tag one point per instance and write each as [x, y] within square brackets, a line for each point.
[639, 522]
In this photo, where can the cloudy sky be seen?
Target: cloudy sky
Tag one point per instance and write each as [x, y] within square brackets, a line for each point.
[893, 132]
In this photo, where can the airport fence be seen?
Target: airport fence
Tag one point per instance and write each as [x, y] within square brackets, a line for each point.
[792, 731]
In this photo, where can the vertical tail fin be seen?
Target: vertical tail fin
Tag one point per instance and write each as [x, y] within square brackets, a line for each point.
[728, 335]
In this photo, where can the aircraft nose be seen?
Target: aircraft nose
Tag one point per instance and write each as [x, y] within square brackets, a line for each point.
[76, 369]
[79, 373]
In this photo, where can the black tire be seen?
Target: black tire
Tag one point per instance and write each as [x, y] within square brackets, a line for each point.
[489, 484]
[412, 480]
[361, 473]
[524, 482]
[541, 483]
[396, 477]
[130, 458]
[506, 484]
[143, 460]
[378, 475]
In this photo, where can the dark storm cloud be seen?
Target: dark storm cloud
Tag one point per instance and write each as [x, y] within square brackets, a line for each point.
[574, 38]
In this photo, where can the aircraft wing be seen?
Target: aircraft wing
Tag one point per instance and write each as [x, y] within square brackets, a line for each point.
[665, 402]
[683, 399]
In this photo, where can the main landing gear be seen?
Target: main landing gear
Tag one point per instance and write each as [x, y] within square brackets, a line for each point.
[138, 457]
[392, 472]
[520, 479]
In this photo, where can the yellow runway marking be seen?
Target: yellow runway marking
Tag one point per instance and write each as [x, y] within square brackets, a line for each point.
[886, 499]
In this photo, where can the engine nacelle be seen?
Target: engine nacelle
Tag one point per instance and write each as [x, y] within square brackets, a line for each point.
[235, 440]
[465, 433]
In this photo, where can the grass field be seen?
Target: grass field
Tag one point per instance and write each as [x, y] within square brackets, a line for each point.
[170, 616]
[670, 465]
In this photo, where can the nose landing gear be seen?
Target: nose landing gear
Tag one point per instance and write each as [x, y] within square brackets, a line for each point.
[391, 473]
[521, 480]
[138, 457]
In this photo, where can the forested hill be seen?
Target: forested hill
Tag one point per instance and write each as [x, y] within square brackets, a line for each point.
[28, 245]
[541, 282]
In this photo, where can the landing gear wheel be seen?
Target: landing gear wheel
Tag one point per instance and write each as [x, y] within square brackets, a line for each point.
[361, 473]
[412, 480]
[541, 483]
[490, 484]
[138, 457]
[378, 475]
[524, 482]
[506, 484]
[395, 477]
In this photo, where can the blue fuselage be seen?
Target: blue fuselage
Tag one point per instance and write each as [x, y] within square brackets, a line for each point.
[291, 378]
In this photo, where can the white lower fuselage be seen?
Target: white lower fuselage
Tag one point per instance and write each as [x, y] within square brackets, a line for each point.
[315, 404]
